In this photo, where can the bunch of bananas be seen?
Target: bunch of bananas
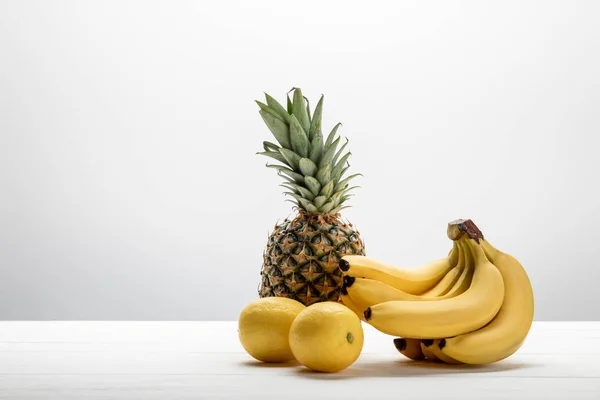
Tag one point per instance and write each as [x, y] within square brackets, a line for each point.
[474, 306]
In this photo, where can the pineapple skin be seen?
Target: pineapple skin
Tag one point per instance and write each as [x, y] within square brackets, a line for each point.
[301, 259]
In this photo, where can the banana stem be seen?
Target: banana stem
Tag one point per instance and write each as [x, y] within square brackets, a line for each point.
[457, 228]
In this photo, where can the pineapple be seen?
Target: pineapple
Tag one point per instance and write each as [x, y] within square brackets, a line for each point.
[302, 254]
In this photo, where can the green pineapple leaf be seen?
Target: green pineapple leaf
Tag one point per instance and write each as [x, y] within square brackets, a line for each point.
[315, 123]
[294, 202]
[324, 174]
[347, 191]
[278, 128]
[343, 172]
[316, 147]
[289, 172]
[300, 110]
[304, 202]
[339, 200]
[307, 167]
[342, 184]
[329, 153]
[340, 196]
[292, 158]
[290, 105]
[337, 170]
[339, 152]
[335, 197]
[332, 134]
[344, 199]
[275, 155]
[269, 110]
[287, 178]
[327, 207]
[312, 184]
[311, 167]
[312, 209]
[309, 117]
[269, 146]
[304, 192]
[327, 190]
[319, 201]
[298, 138]
[289, 186]
[277, 108]
[337, 209]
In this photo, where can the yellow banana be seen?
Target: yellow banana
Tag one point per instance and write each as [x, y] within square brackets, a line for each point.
[449, 317]
[409, 280]
[464, 280]
[348, 302]
[433, 346]
[410, 348]
[368, 292]
[507, 331]
[449, 280]
[460, 287]
[427, 353]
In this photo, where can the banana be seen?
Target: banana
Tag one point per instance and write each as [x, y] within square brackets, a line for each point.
[434, 347]
[409, 280]
[410, 348]
[445, 318]
[450, 279]
[464, 280]
[507, 331]
[447, 282]
[460, 287]
[368, 292]
[351, 304]
[427, 353]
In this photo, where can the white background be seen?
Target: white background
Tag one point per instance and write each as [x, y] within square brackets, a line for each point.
[130, 188]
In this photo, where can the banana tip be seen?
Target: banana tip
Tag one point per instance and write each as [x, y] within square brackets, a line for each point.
[344, 265]
[367, 314]
[349, 281]
[400, 344]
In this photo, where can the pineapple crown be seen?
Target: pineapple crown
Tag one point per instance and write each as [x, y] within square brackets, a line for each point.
[313, 169]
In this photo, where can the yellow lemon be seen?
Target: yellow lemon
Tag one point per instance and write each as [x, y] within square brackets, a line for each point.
[326, 337]
[264, 327]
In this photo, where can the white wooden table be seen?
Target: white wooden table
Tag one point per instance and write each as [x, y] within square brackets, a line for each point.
[204, 360]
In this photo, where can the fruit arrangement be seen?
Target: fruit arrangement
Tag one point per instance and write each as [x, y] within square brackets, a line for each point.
[473, 306]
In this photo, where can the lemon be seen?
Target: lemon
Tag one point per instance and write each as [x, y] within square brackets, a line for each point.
[326, 337]
[264, 327]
